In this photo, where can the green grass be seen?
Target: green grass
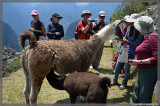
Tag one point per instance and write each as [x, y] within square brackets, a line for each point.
[14, 84]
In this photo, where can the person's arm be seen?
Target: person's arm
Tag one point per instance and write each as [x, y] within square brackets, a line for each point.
[154, 50]
[49, 34]
[137, 62]
[61, 32]
[85, 29]
[136, 42]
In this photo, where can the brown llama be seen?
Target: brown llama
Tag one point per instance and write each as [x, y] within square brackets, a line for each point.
[62, 56]
[95, 88]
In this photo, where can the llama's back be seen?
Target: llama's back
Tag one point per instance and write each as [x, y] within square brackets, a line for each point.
[63, 56]
[70, 55]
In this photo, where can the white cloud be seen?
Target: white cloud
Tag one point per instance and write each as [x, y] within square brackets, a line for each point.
[82, 4]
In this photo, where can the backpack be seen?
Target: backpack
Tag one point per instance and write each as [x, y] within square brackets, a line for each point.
[115, 57]
[76, 31]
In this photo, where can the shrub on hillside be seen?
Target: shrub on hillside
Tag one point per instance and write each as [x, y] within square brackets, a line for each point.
[127, 8]
[10, 67]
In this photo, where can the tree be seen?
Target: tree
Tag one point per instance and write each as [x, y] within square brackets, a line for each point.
[128, 8]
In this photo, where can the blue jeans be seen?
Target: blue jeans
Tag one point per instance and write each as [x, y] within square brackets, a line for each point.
[119, 66]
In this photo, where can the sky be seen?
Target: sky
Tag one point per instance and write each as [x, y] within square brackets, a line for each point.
[82, 4]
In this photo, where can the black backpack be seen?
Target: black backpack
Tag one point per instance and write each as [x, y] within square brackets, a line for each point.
[76, 32]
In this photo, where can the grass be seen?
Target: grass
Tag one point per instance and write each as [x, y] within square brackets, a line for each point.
[14, 84]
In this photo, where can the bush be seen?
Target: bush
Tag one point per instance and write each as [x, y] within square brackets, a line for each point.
[128, 8]
[11, 67]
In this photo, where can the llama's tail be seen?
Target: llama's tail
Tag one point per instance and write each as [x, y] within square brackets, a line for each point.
[55, 81]
[104, 81]
[27, 35]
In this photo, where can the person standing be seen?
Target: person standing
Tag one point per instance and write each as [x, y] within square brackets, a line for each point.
[98, 25]
[37, 27]
[131, 40]
[55, 30]
[85, 27]
[146, 61]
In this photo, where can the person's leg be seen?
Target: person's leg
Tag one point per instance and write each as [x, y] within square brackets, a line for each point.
[127, 70]
[148, 80]
[117, 70]
[98, 56]
[136, 90]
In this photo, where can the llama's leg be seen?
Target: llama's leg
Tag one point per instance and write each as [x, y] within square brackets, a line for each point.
[27, 88]
[73, 98]
[35, 88]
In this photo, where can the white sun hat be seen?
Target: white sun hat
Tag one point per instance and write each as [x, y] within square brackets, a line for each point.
[127, 16]
[102, 13]
[132, 18]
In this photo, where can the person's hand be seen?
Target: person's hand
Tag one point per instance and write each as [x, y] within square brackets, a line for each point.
[31, 29]
[58, 33]
[118, 39]
[101, 21]
[89, 21]
[134, 62]
[124, 41]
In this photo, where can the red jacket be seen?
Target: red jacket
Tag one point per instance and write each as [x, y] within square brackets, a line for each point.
[82, 35]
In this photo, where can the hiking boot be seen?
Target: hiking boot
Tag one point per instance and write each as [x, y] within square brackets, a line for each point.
[122, 87]
[114, 82]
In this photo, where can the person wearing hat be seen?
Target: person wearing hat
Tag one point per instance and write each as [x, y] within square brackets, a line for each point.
[55, 30]
[131, 40]
[122, 34]
[146, 61]
[37, 27]
[98, 25]
[85, 27]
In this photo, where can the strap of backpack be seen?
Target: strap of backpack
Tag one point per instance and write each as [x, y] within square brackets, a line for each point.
[80, 30]
[83, 26]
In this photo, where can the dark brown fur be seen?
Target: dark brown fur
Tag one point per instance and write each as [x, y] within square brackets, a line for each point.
[87, 84]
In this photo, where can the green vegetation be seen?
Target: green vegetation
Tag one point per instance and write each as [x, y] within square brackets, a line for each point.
[13, 85]
[10, 67]
[127, 8]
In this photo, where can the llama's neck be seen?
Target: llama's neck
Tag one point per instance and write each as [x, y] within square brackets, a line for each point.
[95, 42]
[106, 32]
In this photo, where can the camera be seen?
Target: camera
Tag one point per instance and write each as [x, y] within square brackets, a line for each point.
[91, 20]
[90, 32]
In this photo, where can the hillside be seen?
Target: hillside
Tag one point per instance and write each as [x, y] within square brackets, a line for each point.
[10, 61]
[10, 38]
[71, 30]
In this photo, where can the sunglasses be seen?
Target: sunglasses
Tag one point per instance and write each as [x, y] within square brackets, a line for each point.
[34, 15]
[102, 16]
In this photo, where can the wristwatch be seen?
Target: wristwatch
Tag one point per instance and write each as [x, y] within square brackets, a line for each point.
[141, 62]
